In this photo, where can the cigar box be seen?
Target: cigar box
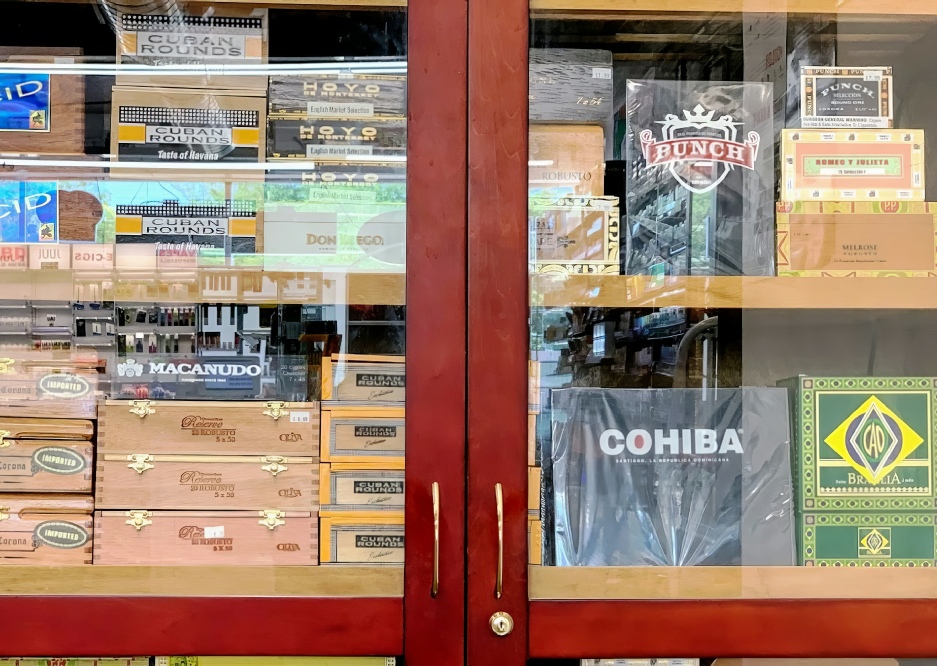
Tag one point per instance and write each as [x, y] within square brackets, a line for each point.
[868, 539]
[169, 426]
[846, 97]
[531, 440]
[533, 387]
[363, 538]
[533, 493]
[341, 95]
[566, 160]
[570, 86]
[268, 661]
[228, 38]
[338, 183]
[856, 239]
[852, 165]
[535, 541]
[175, 481]
[41, 112]
[14, 427]
[360, 487]
[45, 529]
[45, 466]
[575, 235]
[336, 139]
[36, 392]
[182, 126]
[869, 661]
[256, 537]
[361, 378]
[87, 661]
[363, 434]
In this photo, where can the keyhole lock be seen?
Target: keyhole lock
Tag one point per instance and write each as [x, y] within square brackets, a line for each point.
[501, 623]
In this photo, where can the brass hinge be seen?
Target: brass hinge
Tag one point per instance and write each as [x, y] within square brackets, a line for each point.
[6, 365]
[3, 513]
[138, 519]
[274, 464]
[142, 408]
[3, 439]
[272, 518]
[140, 462]
[275, 410]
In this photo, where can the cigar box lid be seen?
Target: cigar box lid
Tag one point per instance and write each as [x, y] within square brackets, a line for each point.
[340, 410]
[327, 120]
[125, 92]
[236, 458]
[260, 405]
[361, 518]
[46, 504]
[368, 466]
[45, 428]
[367, 358]
[220, 515]
[597, 131]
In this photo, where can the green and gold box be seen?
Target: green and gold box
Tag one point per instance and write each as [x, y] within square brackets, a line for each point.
[868, 539]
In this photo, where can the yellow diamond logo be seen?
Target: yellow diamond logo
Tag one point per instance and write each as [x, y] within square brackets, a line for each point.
[873, 542]
[874, 440]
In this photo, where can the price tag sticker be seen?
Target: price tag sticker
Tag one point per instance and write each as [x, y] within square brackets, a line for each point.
[872, 75]
[602, 73]
[214, 532]
[299, 417]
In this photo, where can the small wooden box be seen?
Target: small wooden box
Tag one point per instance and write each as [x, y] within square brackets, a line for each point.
[208, 427]
[46, 529]
[533, 493]
[345, 488]
[336, 139]
[576, 235]
[259, 537]
[338, 95]
[12, 427]
[365, 538]
[535, 541]
[364, 378]
[166, 481]
[45, 466]
[566, 160]
[363, 434]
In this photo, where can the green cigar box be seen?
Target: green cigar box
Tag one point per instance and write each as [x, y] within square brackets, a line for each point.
[868, 539]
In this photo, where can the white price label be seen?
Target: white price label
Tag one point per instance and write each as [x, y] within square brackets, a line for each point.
[872, 75]
[601, 72]
[214, 532]
[299, 417]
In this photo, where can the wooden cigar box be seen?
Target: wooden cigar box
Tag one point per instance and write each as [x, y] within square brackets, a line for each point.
[535, 541]
[363, 378]
[262, 661]
[336, 139]
[261, 537]
[167, 481]
[338, 95]
[363, 434]
[566, 160]
[533, 493]
[45, 529]
[207, 427]
[86, 661]
[41, 112]
[36, 392]
[229, 37]
[364, 538]
[575, 235]
[531, 440]
[45, 466]
[360, 487]
[12, 427]
[570, 85]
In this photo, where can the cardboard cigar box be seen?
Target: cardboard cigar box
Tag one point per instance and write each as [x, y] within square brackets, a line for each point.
[12, 427]
[360, 487]
[207, 427]
[868, 539]
[46, 529]
[363, 434]
[852, 165]
[41, 112]
[535, 541]
[45, 466]
[570, 86]
[575, 235]
[533, 493]
[339, 183]
[336, 139]
[167, 481]
[363, 538]
[566, 160]
[256, 537]
[338, 95]
[361, 378]
[531, 440]
[228, 38]
[857, 239]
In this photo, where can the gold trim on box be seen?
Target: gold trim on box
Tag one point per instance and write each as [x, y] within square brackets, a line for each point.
[610, 265]
[851, 75]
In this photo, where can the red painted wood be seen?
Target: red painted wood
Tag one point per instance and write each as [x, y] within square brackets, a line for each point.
[498, 342]
[436, 329]
[128, 626]
[762, 628]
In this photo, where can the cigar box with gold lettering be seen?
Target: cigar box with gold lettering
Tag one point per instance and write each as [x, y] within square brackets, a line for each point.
[340, 95]
[575, 235]
[45, 466]
[364, 379]
[363, 434]
[566, 160]
[270, 536]
[360, 487]
[336, 139]
[208, 427]
[46, 529]
[362, 538]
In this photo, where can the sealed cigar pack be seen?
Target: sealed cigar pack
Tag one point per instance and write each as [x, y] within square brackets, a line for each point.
[45, 529]
[575, 235]
[194, 427]
[363, 434]
[360, 487]
[258, 537]
[336, 139]
[846, 97]
[339, 95]
[566, 160]
[177, 481]
[570, 86]
[361, 538]
[360, 378]
[46, 466]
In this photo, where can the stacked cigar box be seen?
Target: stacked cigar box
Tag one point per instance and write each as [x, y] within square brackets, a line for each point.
[361, 481]
[190, 482]
[534, 471]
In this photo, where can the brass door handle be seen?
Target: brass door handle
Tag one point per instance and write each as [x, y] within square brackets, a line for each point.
[435, 589]
[499, 500]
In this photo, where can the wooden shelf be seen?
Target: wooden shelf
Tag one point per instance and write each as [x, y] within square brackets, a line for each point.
[622, 7]
[734, 292]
